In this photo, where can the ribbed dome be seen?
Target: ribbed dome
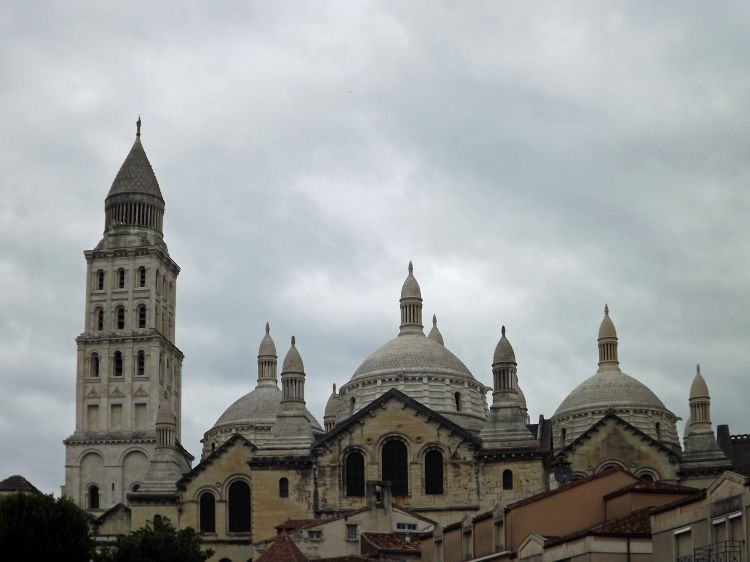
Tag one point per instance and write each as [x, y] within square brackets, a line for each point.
[607, 327]
[136, 174]
[435, 334]
[503, 351]
[411, 352]
[293, 361]
[699, 388]
[410, 288]
[609, 387]
[258, 407]
[267, 347]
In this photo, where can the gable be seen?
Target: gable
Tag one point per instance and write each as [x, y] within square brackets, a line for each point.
[230, 458]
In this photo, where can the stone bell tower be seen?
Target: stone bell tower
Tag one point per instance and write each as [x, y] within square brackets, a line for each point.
[127, 360]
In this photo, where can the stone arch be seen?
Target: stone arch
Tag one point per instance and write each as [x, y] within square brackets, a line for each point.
[610, 463]
[91, 465]
[647, 473]
[394, 464]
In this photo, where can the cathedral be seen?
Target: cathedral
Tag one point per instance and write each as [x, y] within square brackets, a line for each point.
[412, 420]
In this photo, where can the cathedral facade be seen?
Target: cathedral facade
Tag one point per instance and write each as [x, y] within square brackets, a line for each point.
[412, 420]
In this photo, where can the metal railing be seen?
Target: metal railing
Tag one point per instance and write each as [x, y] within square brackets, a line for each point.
[725, 551]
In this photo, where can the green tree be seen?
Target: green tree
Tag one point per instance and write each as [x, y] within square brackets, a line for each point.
[160, 543]
[39, 527]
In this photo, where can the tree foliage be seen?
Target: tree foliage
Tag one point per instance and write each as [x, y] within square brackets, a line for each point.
[160, 543]
[39, 527]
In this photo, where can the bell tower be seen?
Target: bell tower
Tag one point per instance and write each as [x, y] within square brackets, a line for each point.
[127, 361]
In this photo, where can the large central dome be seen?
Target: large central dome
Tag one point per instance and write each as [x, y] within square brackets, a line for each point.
[419, 366]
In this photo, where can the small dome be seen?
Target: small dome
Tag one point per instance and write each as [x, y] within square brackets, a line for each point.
[503, 351]
[411, 289]
[258, 407]
[293, 361]
[332, 404]
[521, 396]
[435, 334]
[267, 347]
[607, 327]
[699, 388]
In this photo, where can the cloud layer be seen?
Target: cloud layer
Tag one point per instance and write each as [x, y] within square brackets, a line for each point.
[534, 163]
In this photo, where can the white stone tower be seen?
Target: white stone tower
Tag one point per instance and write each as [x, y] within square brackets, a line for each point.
[127, 360]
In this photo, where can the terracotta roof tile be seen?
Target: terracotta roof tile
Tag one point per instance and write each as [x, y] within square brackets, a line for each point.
[644, 487]
[394, 542]
[282, 549]
[293, 524]
[635, 525]
[679, 503]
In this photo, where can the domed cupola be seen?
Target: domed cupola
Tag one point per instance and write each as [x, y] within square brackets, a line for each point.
[611, 390]
[420, 367]
[329, 416]
[292, 362]
[504, 351]
[435, 334]
[267, 360]
[411, 305]
[135, 200]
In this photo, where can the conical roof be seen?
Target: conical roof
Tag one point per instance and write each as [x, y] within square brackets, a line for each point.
[503, 351]
[267, 347]
[136, 174]
[293, 361]
[435, 334]
[410, 288]
[699, 388]
[607, 327]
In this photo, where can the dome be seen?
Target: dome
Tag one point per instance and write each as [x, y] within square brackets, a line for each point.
[332, 404]
[412, 352]
[257, 407]
[607, 327]
[609, 387]
[503, 351]
[136, 174]
[435, 334]
[293, 361]
[267, 347]
[699, 388]
[410, 288]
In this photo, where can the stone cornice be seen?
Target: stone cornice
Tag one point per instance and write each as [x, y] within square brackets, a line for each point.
[109, 439]
[132, 252]
[142, 336]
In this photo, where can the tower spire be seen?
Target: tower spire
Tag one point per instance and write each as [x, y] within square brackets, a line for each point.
[607, 342]
[267, 360]
[138, 127]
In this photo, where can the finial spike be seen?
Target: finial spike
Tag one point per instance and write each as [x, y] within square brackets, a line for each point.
[268, 328]
[334, 388]
[434, 320]
[698, 368]
[294, 341]
[138, 126]
[502, 331]
[411, 268]
[606, 310]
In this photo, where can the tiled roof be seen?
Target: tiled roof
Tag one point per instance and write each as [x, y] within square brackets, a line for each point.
[293, 524]
[16, 483]
[644, 487]
[566, 487]
[136, 174]
[679, 503]
[635, 525]
[282, 549]
[393, 542]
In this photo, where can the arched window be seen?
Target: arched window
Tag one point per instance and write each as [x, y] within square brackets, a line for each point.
[207, 506]
[457, 399]
[140, 368]
[117, 371]
[239, 507]
[157, 520]
[507, 479]
[351, 406]
[141, 315]
[283, 488]
[563, 435]
[395, 467]
[355, 474]
[120, 313]
[121, 278]
[156, 282]
[93, 499]
[646, 477]
[100, 280]
[433, 472]
[658, 431]
[99, 319]
[141, 276]
[94, 365]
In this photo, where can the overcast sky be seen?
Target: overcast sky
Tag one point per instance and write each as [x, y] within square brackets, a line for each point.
[534, 163]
